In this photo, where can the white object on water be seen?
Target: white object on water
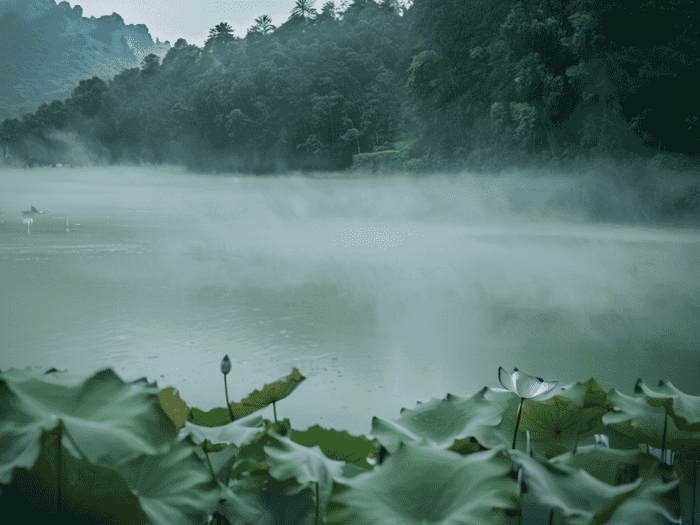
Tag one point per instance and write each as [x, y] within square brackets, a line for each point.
[28, 222]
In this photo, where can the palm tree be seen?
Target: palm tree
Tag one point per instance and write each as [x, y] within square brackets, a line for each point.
[327, 12]
[221, 32]
[304, 9]
[264, 24]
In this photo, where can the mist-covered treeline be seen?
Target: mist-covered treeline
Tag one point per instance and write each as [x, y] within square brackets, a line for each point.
[449, 83]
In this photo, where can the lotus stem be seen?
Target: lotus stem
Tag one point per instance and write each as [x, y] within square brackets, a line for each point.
[274, 410]
[230, 410]
[59, 475]
[316, 518]
[663, 440]
[206, 454]
[225, 369]
[517, 422]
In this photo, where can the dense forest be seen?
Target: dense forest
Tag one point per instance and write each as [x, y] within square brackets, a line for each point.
[445, 84]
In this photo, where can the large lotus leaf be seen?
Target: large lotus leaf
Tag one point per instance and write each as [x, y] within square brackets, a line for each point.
[607, 463]
[259, 494]
[108, 420]
[242, 502]
[658, 495]
[558, 418]
[251, 457]
[272, 392]
[289, 460]
[240, 432]
[420, 485]
[173, 488]
[553, 417]
[441, 422]
[338, 445]
[594, 395]
[89, 493]
[580, 497]
[635, 418]
[254, 402]
[175, 407]
[587, 395]
[688, 471]
[683, 408]
[216, 417]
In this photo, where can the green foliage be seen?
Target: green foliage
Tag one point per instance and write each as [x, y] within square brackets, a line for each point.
[86, 448]
[568, 79]
[87, 96]
[150, 65]
[424, 64]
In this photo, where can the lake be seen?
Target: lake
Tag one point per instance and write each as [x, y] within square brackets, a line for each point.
[382, 292]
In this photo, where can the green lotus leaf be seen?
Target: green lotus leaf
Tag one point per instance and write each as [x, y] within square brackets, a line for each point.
[658, 496]
[270, 393]
[241, 500]
[683, 408]
[557, 418]
[175, 407]
[442, 422]
[240, 432]
[420, 485]
[172, 488]
[580, 497]
[554, 417]
[108, 421]
[289, 460]
[338, 445]
[90, 493]
[633, 417]
[256, 401]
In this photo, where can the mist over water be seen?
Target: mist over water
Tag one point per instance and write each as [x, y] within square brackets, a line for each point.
[382, 292]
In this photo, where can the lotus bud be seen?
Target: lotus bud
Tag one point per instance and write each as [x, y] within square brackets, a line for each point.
[225, 365]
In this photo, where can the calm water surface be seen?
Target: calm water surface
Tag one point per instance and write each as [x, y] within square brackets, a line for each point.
[381, 292]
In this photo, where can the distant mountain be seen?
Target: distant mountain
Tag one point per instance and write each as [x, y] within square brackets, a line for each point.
[46, 48]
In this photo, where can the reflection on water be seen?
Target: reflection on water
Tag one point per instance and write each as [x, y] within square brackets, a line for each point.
[380, 293]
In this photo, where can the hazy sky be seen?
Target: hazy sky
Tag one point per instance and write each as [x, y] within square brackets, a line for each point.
[190, 19]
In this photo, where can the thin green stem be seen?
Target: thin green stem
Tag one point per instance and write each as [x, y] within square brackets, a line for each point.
[206, 454]
[274, 409]
[517, 422]
[230, 410]
[59, 475]
[663, 441]
[316, 518]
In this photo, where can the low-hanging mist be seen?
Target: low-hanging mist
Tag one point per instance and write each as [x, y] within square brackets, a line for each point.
[382, 291]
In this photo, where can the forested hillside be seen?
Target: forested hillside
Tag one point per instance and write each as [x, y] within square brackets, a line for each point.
[446, 83]
[47, 48]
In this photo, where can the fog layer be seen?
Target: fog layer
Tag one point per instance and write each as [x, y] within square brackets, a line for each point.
[419, 286]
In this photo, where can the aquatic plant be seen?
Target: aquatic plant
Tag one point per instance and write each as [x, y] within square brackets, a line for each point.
[225, 369]
[98, 449]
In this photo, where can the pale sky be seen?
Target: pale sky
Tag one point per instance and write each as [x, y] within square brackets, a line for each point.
[191, 19]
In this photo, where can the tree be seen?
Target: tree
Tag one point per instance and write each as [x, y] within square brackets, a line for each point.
[327, 12]
[220, 33]
[87, 97]
[304, 9]
[391, 6]
[263, 26]
[150, 65]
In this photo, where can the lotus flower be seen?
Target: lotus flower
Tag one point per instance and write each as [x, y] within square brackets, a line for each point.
[526, 387]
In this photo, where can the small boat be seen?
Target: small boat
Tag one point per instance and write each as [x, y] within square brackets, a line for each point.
[34, 211]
